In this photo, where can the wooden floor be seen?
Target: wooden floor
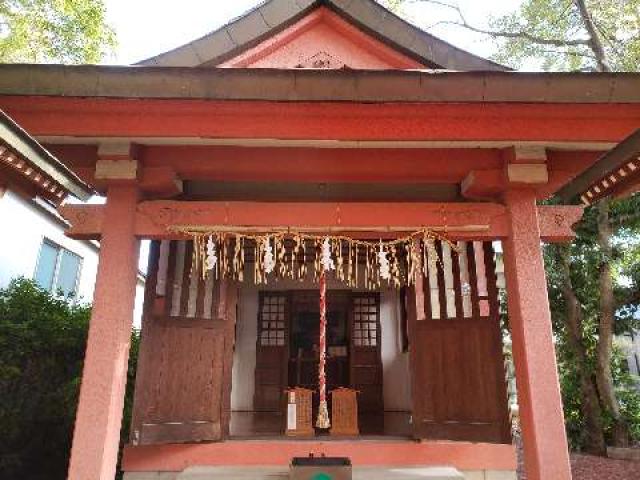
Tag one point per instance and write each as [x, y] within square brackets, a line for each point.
[265, 425]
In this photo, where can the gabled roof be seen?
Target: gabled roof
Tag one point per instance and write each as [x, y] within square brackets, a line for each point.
[272, 16]
[615, 174]
[22, 154]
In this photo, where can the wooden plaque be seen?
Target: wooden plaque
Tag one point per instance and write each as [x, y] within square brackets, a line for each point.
[299, 417]
[344, 412]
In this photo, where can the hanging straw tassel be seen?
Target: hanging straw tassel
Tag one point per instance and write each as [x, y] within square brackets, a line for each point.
[323, 411]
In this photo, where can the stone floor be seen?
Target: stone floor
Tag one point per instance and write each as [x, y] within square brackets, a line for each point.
[359, 473]
[275, 473]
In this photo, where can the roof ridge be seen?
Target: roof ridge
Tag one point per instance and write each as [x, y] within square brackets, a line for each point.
[272, 16]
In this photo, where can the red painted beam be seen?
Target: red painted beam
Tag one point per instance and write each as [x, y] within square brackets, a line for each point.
[456, 220]
[462, 455]
[398, 165]
[334, 121]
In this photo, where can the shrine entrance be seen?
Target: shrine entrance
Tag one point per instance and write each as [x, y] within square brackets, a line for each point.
[287, 352]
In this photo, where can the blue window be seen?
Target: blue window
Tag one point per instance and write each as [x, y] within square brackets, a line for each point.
[58, 269]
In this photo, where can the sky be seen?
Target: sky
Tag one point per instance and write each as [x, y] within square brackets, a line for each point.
[148, 27]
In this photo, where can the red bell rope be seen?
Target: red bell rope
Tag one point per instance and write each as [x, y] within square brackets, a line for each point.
[323, 410]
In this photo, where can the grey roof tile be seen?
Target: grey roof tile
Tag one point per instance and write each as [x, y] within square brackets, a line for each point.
[274, 15]
[248, 28]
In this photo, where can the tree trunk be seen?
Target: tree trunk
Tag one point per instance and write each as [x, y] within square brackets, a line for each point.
[604, 348]
[594, 37]
[590, 405]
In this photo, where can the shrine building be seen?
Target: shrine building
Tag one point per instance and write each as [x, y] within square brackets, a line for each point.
[325, 187]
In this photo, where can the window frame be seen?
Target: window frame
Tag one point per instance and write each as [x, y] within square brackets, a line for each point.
[60, 249]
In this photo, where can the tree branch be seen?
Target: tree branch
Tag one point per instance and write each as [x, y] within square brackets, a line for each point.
[595, 43]
[556, 42]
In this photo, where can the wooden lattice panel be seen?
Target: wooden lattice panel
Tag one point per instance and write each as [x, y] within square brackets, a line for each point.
[365, 321]
[344, 412]
[273, 321]
[300, 423]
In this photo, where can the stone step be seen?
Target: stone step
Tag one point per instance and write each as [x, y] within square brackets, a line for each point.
[239, 473]
[404, 473]
[359, 473]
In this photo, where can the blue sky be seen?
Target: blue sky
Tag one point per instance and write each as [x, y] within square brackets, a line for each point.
[148, 27]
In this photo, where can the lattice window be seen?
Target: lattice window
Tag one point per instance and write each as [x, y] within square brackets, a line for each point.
[272, 320]
[365, 321]
[463, 282]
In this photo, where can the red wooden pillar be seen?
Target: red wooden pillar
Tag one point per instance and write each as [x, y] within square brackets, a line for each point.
[542, 420]
[97, 428]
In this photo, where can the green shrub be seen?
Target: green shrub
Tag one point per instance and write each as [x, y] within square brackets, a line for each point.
[42, 345]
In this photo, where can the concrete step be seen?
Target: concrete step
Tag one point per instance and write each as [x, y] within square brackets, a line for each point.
[359, 473]
[416, 473]
[239, 473]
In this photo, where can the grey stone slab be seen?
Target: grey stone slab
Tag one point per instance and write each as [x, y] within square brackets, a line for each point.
[500, 475]
[474, 475]
[239, 473]
[150, 476]
[282, 473]
[418, 473]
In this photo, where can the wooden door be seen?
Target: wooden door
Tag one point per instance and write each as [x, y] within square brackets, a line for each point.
[365, 361]
[457, 365]
[271, 351]
[184, 368]
[304, 338]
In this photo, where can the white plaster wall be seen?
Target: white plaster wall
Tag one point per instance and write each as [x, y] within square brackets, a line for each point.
[244, 356]
[24, 226]
[396, 386]
[396, 382]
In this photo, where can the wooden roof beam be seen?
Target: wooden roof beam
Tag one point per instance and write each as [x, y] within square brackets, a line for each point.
[365, 220]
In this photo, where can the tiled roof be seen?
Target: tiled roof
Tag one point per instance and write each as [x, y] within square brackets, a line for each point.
[25, 157]
[616, 173]
[272, 16]
[300, 85]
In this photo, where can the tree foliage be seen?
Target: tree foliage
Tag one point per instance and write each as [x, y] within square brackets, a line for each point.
[585, 260]
[42, 345]
[61, 31]
[553, 33]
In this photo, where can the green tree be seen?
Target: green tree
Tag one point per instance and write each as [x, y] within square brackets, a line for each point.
[602, 36]
[42, 345]
[593, 286]
[60, 31]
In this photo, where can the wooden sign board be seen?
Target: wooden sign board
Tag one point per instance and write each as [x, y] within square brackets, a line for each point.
[344, 412]
[299, 413]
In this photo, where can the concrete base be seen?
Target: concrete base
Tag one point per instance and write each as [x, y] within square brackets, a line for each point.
[359, 473]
